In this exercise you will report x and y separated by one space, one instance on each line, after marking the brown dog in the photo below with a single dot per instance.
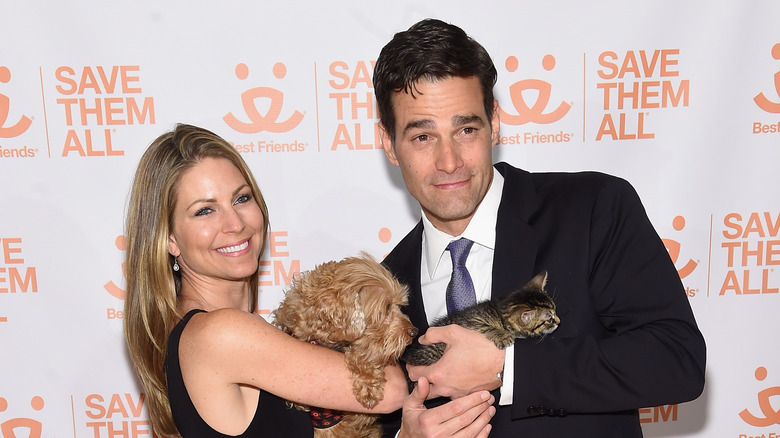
353 306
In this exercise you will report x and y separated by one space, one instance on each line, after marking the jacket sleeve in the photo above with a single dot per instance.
628 338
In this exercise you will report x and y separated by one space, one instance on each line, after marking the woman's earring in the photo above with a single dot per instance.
175 265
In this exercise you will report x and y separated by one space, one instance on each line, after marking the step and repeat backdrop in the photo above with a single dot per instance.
680 98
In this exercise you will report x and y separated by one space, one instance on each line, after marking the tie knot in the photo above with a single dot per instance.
459 250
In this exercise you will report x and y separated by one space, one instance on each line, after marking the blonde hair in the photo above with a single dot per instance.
152 285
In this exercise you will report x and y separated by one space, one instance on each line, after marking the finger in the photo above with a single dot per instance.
463 413
434 335
421 390
416 372
480 427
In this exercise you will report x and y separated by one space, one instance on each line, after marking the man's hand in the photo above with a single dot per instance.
466 417
470 363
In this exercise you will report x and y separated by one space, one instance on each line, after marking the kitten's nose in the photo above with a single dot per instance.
413 332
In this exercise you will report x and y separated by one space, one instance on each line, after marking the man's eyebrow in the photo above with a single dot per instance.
419 124
460 120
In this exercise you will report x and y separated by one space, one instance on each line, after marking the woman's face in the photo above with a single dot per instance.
217 224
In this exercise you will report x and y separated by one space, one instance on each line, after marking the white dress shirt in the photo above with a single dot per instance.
436 268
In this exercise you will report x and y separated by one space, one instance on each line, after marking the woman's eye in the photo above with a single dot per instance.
203 211
243 198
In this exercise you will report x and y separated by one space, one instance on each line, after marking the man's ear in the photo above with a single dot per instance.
387 145
495 124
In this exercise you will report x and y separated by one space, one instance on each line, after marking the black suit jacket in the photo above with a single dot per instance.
627 338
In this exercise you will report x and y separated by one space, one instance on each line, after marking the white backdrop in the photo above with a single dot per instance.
680 98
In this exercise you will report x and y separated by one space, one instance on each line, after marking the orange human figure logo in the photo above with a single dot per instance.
533 113
259 122
111 287
762 101
5 106
771 415
26 427
673 247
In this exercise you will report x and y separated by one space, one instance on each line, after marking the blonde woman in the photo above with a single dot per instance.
196 228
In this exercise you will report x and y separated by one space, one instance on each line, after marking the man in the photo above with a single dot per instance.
627 338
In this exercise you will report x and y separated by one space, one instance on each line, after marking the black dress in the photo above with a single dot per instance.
272 418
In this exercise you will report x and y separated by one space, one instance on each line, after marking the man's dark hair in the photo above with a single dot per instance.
429 50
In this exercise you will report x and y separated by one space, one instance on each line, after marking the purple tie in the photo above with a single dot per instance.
460 290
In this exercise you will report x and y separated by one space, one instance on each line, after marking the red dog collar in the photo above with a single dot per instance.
322 418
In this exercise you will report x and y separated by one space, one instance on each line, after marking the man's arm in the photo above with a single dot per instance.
636 346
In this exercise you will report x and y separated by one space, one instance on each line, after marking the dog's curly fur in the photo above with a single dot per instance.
352 305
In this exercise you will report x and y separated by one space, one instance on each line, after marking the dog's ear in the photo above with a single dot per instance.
357 318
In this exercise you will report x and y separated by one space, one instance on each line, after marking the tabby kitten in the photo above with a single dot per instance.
525 313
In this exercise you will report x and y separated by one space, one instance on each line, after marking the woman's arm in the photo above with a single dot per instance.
232 347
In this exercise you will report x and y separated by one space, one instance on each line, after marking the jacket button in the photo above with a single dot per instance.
531 410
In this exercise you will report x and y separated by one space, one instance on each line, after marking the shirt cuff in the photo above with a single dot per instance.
507 387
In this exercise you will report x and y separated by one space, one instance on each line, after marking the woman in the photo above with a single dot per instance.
196 228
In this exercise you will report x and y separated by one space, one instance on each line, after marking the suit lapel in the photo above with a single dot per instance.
404 262
516 240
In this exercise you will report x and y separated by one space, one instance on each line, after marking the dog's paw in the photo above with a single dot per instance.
368 392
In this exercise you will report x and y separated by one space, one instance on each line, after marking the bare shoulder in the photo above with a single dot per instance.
218 353
221 330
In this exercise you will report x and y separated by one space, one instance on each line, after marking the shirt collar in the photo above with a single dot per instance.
481 228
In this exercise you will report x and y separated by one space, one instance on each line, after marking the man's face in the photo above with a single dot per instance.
443 145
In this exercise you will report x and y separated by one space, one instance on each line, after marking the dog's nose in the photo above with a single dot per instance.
413 332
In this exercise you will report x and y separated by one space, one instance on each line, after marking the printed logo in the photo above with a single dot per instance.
259 122
658 414
278 271
112 288
16 128
764 102
533 113
751 247
95 101
769 415
113 415
384 236
12 126
540 112
14 276
271 121
352 96
633 83
674 248
769 104
21 426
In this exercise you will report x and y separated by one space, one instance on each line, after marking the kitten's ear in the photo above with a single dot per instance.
539 281
528 317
